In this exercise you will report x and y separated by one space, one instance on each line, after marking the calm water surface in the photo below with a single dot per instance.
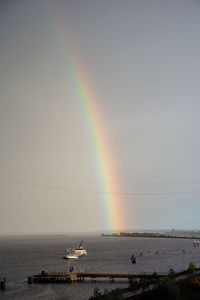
21 257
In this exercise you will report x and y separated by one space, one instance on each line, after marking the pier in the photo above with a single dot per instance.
53 278
112 276
72 277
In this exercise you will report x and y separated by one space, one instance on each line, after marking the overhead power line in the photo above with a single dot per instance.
62 188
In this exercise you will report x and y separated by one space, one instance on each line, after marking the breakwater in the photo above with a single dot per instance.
149 235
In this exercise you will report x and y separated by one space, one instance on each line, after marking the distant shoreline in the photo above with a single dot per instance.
149 235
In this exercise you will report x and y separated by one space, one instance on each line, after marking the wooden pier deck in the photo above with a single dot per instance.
112 276
71 277
53 278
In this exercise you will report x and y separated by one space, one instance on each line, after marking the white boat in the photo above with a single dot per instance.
75 253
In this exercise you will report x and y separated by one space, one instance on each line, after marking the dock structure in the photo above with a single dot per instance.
113 276
72 277
54 278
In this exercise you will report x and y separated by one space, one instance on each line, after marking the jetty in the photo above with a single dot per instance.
151 235
53 278
75 276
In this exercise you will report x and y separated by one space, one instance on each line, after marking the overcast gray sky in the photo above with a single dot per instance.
142 58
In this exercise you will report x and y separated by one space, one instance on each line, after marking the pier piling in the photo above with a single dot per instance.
3 283
30 280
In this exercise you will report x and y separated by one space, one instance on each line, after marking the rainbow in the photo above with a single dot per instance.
111 199
104 157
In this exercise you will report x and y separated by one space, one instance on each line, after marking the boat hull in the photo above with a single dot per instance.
68 256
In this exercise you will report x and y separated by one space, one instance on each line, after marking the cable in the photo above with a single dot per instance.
61 188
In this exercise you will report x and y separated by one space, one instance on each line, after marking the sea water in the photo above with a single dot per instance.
25 256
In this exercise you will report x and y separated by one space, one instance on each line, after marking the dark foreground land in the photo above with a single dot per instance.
188 289
182 286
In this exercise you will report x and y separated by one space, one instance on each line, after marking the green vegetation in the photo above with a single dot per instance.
191 268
